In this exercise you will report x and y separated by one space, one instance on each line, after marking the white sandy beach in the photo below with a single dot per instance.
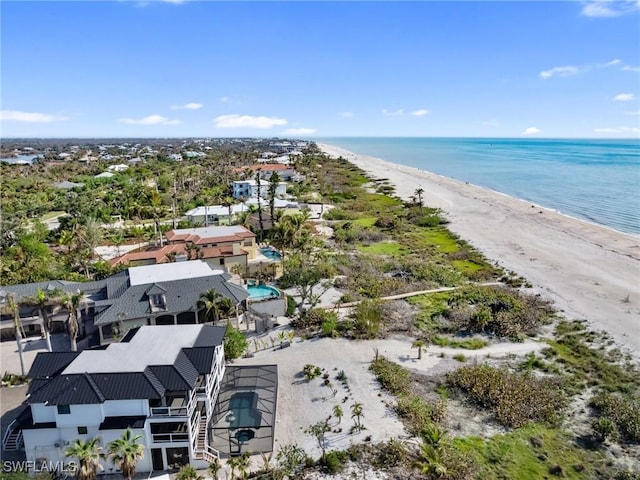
590 272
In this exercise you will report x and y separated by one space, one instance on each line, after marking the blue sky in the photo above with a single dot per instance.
198 68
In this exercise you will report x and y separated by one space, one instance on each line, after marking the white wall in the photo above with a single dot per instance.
80 415
40 442
118 408
43 413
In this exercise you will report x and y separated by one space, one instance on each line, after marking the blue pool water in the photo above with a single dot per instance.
261 292
245 413
271 253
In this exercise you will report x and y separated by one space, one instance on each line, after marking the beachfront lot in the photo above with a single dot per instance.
303 403
590 272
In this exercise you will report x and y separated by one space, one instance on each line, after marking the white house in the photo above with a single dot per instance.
215 214
121 167
249 189
161 381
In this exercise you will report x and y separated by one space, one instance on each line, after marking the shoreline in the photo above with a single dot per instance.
590 271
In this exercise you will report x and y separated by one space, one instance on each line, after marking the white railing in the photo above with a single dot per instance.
192 402
170 437
194 430
169 411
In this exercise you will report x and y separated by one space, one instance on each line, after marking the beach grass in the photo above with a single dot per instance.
365 221
467 344
467 266
384 248
531 453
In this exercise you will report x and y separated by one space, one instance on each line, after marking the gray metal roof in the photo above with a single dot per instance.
49 364
115 299
154 360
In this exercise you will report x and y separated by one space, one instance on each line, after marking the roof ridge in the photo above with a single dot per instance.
94 387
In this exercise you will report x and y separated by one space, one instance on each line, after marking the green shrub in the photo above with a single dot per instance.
334 462
622 410
460 357
392 377
291 306
235 343
329 327
509 395
311 371
367 319
419 414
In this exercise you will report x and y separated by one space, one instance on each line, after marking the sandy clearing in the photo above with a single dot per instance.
302 403
590 272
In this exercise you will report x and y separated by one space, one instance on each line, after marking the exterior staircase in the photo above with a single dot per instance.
13 440
203 451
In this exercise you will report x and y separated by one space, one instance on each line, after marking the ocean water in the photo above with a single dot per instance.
593 180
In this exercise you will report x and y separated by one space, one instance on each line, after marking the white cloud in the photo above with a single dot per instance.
300 131
347 114
392 113
420 113
531 131
624 97
224 99
150 120
565 71
30 117
247 121
612 63
617 130
187 106
609 8
629 68
491 123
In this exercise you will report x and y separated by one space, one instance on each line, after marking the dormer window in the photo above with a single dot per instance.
157 298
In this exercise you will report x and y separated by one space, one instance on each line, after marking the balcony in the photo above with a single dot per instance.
170 437
176 408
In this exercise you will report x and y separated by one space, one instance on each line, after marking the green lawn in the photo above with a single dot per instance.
532 453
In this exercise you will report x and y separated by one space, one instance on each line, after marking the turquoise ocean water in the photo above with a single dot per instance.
593 180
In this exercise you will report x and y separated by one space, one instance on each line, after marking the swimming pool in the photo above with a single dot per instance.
262 292
245 414
271 253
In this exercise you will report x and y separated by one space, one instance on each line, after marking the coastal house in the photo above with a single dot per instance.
216 214
169 384
165 294
285 172
249 189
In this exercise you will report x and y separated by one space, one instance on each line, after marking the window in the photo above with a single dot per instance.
82 430
64 409
156 299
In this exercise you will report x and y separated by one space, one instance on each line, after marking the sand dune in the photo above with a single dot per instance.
590 272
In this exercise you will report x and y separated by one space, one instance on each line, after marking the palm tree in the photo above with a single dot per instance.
227 201
72 304
89 453
418 193
338 413
210 301
214 468
356 414
43 301
243 465
260 218
273 186
433 452
125 452
13 308
188 472
419 344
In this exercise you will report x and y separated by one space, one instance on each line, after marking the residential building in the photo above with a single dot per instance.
215 214
165 294
249 188
162 382
285 172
